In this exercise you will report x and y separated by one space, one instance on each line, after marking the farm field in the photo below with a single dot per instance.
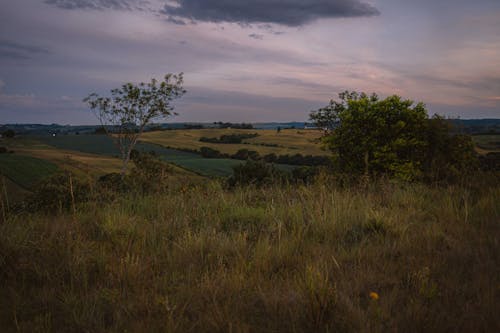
289 141
102 145
487 143
25 170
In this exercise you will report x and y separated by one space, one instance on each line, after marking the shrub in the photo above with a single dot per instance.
208 152
254 173
245 154
150 174
58 193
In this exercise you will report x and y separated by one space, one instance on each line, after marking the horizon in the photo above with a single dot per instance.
248 61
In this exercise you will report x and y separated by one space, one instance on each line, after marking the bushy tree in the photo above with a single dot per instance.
394 137
128 111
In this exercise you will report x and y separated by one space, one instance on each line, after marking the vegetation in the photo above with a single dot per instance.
394 137
198 258
133 107
102 145
26 171
273 248
221 124
230 138
287 142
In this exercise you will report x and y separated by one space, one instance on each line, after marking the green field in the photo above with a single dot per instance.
487 142
101 144
25 170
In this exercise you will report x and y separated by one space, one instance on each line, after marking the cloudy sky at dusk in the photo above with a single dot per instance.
248 60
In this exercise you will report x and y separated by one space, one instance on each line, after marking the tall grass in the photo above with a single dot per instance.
275 259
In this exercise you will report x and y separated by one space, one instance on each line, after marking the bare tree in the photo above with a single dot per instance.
128 111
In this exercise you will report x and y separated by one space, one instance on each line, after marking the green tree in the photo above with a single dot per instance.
394 137
128 111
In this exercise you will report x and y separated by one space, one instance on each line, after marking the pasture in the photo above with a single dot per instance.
289 141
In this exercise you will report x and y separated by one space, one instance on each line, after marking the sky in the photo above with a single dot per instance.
248 60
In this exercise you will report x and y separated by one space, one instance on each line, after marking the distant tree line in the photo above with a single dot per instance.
221 124
230 138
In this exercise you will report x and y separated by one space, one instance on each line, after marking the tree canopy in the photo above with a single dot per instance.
394 137
128 111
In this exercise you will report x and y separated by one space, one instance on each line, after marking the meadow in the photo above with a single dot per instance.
201 258
195 255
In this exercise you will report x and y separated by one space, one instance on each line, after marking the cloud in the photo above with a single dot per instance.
207 105
15 50
99 4
284 12
256 36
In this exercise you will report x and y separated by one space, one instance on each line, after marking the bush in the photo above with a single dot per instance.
245 154
208 152
58 193
150 174
255 173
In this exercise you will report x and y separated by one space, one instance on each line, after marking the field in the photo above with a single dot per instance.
289 141
25 170
102 145
319 258
487 143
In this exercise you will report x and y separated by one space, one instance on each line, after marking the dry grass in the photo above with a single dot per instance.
279 259
290 141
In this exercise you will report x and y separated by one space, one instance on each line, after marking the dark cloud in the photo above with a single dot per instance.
19 51
99 4
284 12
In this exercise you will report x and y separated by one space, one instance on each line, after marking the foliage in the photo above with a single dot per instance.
254 173
59 192
208 152
230 138
132 107
394 137
245 154
221 124
150 174
490 161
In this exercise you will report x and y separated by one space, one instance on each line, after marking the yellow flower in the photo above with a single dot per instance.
374 296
